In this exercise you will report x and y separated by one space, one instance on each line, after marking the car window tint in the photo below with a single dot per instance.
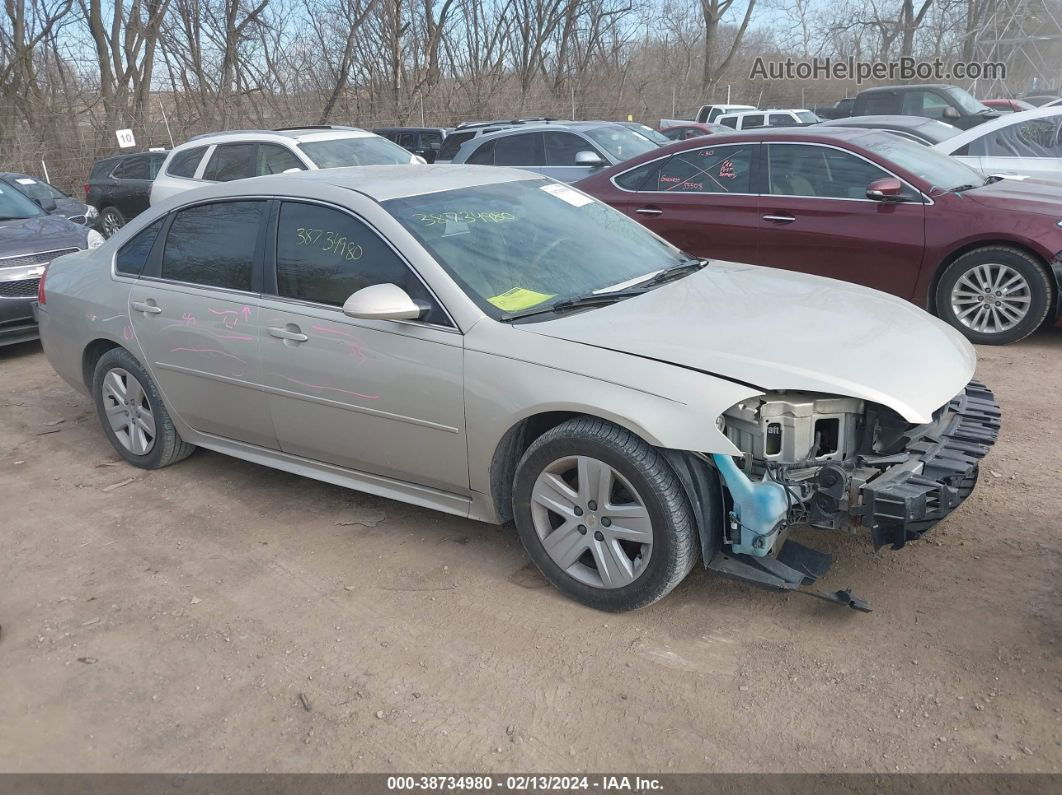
805 170
452 143
753 120
561 148
324 256
729 122
519 150
430 139
185 162
882 103
780 120
715 114
407 140
483 155
155 162
214 244
715 169
275 159
641 178
231 161
133 256
133 168
1031 138
923 103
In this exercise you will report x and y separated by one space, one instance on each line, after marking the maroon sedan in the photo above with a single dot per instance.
864 206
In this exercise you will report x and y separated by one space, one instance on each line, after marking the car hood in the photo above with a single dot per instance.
774 329
42 233
1024 195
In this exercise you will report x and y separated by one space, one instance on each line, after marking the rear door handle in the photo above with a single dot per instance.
779 219
649 211
288 334
147 307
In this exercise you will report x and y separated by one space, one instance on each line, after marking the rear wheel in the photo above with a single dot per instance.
995 295
132 414
111 220
603 516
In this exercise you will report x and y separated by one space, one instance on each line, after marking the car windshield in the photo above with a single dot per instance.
650 133
359 151
531 243
966 101
619 142
943 173
14 205
807 117
36 189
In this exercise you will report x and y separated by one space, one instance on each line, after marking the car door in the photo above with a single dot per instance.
132 185
195 316
377 396
701 200
1030 148
561 149
816 218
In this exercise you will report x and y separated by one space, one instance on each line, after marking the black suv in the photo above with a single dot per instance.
119 187
423 141
949 104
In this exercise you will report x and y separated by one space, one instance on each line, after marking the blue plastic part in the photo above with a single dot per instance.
760 508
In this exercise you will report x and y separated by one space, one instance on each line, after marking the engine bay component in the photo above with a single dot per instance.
760 509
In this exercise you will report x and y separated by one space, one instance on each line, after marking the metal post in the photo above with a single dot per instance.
573 102
44 168
166 122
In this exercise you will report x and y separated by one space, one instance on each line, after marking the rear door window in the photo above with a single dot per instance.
133 256
715 169
452 143
524 149
752 120
185 162
133 168
483 155
562 147
231 161
214 245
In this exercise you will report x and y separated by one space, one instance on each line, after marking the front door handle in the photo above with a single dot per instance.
649 211
779 219
290 334
147 307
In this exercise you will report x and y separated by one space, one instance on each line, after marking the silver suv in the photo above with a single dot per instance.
223 157
567 151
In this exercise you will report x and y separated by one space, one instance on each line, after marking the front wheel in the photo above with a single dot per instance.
111 220
603 516
994 295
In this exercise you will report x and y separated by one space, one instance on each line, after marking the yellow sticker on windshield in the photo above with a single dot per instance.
518 298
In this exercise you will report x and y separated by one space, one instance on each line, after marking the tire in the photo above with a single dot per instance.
641 481
111 220
966 299
119 367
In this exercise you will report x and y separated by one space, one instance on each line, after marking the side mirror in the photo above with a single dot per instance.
886 189
382 302
950 113
588 158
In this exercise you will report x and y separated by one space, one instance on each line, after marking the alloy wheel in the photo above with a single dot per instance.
110 223
592 522
128 411
991 298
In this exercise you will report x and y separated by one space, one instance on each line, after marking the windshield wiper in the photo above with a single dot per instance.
14 217
579 302
684 268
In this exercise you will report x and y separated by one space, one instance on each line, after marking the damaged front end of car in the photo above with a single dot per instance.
841 464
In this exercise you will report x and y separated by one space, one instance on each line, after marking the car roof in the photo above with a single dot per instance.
756 112
1005 120
914 87
298 134
377 182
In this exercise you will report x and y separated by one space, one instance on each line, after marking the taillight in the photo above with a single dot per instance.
41 299
86 187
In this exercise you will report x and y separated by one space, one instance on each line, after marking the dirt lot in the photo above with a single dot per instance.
175 621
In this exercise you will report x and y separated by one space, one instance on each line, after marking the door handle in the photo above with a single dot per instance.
779 219
287 334
147 307
649 211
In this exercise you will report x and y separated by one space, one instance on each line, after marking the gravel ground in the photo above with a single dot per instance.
221 616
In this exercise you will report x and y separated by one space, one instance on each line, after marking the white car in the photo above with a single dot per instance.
751 119
225 156
1016 145
708 114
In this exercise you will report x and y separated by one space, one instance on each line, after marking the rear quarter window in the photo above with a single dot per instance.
133 256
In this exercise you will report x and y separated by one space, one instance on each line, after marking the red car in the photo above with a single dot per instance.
691 129
1007 105
864 206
